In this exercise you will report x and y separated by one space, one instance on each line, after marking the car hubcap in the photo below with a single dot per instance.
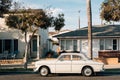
44 71
88 72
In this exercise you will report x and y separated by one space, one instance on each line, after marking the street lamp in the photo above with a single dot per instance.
79 19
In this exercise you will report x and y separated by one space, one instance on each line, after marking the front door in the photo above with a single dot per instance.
34 47
63 65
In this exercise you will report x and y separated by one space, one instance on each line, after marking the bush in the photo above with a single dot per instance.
51 54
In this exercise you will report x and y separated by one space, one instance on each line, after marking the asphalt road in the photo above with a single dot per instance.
35 76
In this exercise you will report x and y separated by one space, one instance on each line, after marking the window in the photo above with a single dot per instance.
108 44
15 45
76 57
102 44
114 44
8 45
65 58
62 44
74 45
69 45
1 46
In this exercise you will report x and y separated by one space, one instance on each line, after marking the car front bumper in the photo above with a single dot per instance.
35 69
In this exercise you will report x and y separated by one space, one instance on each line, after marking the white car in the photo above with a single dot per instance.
68 63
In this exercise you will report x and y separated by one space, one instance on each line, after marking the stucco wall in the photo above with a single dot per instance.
84 47
8 33
43 41
96 47
15 34
119 43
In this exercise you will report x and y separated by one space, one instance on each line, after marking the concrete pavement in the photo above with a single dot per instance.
112 66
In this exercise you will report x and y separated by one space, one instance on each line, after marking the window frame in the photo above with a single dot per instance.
112 45
11 48
63 44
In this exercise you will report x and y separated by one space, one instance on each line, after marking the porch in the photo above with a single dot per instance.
6 55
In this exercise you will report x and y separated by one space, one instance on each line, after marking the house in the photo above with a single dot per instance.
53 33
12 41
53 42
105 38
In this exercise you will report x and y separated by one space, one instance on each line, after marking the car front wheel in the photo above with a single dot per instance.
87 71
44 71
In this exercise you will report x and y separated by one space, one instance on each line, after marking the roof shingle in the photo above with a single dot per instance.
97 31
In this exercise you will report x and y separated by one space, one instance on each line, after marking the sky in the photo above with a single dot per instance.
70 9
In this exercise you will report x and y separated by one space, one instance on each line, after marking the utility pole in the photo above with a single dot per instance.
79 19
89 15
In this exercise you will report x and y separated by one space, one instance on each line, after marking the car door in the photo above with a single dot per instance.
77 63
63 64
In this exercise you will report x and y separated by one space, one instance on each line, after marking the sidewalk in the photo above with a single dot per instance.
114 66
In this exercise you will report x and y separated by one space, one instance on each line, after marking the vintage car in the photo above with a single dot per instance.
68 63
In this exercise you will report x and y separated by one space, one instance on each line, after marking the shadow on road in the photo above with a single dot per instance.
61 75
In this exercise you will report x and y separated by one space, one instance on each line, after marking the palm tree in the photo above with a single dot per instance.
89 15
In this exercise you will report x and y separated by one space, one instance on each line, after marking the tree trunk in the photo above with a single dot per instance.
89 15
27 47
26 51
26 56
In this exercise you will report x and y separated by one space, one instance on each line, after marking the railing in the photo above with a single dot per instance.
109 54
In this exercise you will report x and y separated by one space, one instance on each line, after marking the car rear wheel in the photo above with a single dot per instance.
87 71
44 71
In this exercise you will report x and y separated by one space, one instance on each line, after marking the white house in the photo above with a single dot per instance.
12 41
105 37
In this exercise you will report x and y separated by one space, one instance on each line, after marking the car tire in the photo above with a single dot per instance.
44 71
87 71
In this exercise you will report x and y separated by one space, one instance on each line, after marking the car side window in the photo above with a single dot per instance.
76 57
65 58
